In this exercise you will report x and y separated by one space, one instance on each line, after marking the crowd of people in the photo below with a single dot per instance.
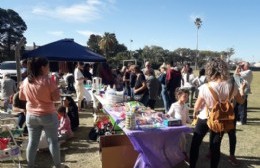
34 100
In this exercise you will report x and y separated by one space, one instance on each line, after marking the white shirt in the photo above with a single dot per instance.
180 111
199 80
188 83
77 75
247 75
222 89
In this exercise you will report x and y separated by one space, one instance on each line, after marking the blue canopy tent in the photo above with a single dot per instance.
65 50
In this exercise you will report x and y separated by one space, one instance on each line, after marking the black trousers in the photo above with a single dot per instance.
215 141
232 133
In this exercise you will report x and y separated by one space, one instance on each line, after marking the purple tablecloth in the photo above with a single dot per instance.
158 147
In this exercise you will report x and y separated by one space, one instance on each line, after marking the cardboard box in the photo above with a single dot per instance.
117 152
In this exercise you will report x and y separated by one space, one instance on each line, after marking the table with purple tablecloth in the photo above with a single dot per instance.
157 147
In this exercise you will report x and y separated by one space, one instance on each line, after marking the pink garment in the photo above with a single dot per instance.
64 127
39 95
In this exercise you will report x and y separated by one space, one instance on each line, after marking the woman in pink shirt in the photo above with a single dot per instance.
40 91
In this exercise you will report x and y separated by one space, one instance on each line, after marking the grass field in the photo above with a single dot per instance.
248 139
82 153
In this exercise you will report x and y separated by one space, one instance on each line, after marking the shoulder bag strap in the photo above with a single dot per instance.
215 97
231 91
214 94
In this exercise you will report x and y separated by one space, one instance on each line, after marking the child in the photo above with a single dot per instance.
64 130
179 110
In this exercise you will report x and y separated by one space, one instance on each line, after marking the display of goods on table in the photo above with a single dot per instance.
134 115
113 96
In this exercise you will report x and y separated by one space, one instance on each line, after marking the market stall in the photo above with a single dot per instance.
150 134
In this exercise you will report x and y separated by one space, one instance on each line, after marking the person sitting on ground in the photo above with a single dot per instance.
19 106
72 112
64 130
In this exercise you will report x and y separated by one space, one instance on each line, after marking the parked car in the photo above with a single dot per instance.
8 67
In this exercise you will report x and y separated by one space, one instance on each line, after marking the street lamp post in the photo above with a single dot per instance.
198 23
131 41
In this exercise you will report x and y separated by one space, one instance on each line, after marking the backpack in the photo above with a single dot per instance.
221 116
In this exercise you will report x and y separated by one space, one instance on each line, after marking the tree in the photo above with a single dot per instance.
12 28
230 52
198 23
107 42
93 43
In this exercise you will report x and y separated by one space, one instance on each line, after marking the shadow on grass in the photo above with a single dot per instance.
253 109
85 114
248 162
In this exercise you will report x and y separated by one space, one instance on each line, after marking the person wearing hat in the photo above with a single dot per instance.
7 88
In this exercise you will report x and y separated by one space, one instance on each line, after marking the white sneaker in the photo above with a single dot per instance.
62 165
239 123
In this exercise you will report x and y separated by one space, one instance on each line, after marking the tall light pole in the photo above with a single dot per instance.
198 23
131 55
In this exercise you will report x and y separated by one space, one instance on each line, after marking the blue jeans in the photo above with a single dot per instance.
35 124
165 98
242 112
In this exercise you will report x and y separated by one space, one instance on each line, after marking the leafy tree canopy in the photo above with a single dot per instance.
12 28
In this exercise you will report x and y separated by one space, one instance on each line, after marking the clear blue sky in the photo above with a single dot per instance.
165 23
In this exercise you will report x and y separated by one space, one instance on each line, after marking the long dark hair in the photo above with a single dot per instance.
71 101
34 67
